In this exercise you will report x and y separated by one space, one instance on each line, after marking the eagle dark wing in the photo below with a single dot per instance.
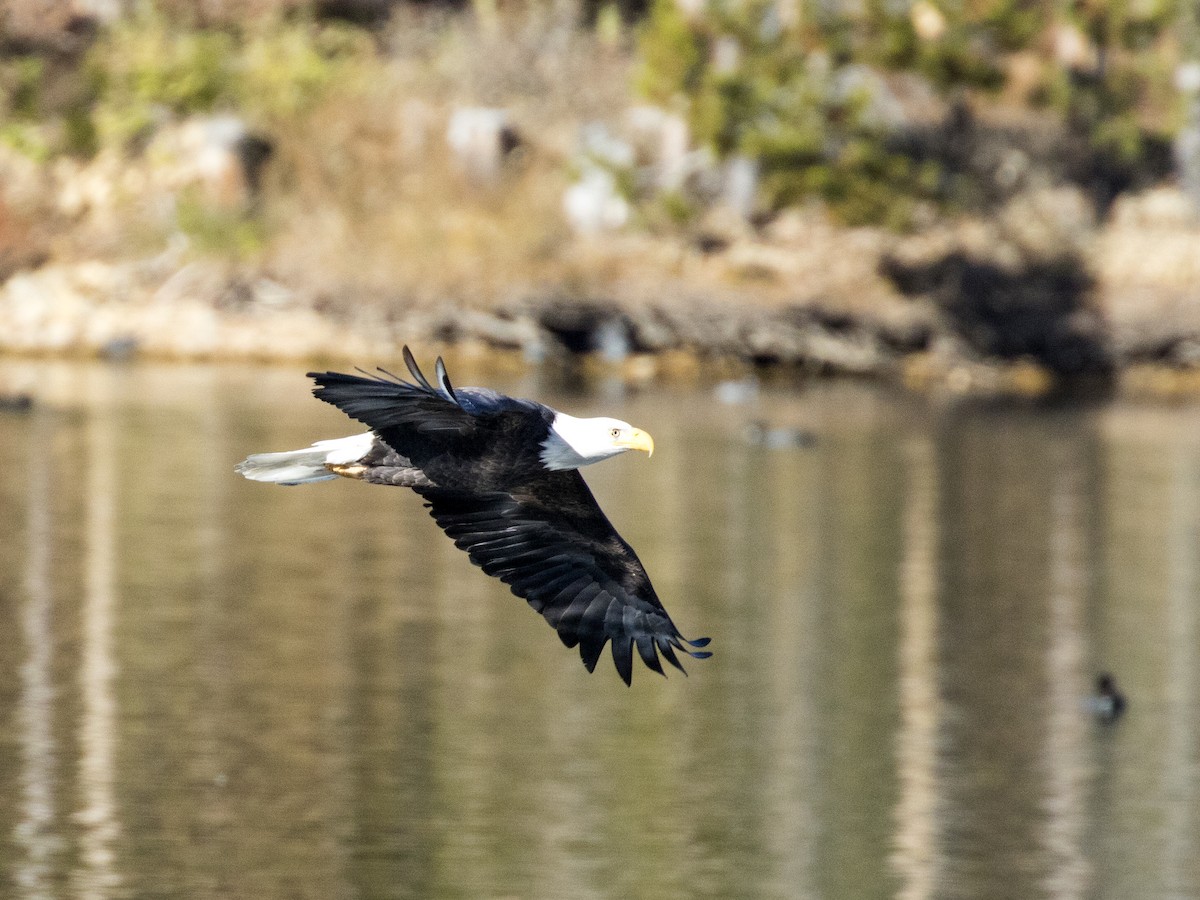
386 402
550 543
540 532
472 438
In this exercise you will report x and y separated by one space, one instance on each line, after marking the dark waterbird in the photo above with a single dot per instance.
500 476
759 433
16 403
1108 703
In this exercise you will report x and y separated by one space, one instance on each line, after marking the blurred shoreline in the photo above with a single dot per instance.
307 190
808 295
1142 318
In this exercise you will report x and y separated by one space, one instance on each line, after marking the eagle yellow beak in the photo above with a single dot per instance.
636 439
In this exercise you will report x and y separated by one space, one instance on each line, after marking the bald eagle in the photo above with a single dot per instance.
500 476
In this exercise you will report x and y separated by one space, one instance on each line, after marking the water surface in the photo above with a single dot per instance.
212 688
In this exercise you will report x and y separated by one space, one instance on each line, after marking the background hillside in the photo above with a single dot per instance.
850 186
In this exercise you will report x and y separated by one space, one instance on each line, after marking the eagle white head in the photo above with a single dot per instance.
574 442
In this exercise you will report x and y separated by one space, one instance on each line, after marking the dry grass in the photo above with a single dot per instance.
363 208
367 208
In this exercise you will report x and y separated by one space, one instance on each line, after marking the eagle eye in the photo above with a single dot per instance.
616 432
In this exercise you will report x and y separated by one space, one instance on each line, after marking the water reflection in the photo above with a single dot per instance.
218 689
1067 763
96 874
918 842
1181 761
36 841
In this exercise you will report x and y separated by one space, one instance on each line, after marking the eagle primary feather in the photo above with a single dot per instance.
503 483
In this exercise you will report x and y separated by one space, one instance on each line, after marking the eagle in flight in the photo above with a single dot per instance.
501 477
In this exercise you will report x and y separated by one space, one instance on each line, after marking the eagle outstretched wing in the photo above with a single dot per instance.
477 455
385 401
450 434
549 541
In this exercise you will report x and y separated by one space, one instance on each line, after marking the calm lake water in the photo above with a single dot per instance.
211 688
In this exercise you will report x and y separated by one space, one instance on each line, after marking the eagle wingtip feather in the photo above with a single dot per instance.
622 654
443 380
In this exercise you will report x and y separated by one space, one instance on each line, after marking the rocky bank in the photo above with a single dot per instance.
1041 295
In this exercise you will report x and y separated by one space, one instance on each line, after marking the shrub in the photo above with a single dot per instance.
785 101
803 98
144 67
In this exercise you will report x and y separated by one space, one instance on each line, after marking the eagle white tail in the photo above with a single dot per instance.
307 465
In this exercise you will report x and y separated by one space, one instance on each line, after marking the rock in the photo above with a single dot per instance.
1017 287
674 160
651 330
64 28
103 11
600 146
195 279
1187 78
750 259
1074 50
1147 263
21 246
23 182
512 332
854 352
726 55
16 403
1187 140
883 107
415 124
89 190
585 327
1159 209
661 141
219 155
644 126
928 21
692 9
594 205
482 140
740 193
